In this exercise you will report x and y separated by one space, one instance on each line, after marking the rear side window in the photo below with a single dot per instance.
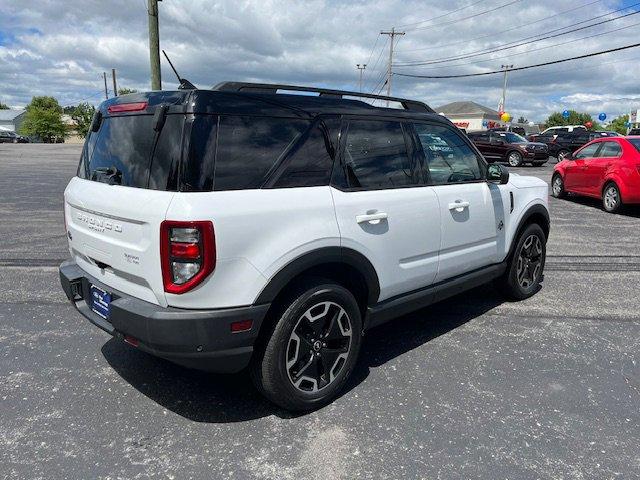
250 147
376 155
610 149
309 165
635 142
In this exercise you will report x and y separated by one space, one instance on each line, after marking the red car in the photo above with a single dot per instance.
606 168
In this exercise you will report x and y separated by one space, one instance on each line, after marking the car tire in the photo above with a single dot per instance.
526 266
514 159
562 154
611 199
557 186
301 365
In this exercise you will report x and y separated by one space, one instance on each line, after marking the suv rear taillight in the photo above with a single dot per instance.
188 254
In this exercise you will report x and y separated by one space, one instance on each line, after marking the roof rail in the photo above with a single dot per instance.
324 92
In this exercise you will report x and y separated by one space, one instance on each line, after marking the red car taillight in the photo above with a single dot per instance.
188 254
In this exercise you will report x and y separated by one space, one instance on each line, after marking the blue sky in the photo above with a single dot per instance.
61 48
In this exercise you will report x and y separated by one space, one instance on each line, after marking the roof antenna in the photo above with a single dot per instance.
184 83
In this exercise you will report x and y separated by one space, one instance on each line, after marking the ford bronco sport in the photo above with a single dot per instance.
254 226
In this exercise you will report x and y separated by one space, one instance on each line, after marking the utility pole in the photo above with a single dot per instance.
115 88
501 107
154 45
106 92
392 35
361 70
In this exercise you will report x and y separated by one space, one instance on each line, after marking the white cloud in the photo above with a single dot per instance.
61 48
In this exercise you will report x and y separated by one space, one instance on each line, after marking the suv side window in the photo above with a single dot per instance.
448 157
610 149
310 164
376 155
249 147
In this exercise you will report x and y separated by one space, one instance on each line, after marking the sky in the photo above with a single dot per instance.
61 48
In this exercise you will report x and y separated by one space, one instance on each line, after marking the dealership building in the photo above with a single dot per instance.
471 115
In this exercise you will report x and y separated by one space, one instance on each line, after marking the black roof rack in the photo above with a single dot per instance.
324 92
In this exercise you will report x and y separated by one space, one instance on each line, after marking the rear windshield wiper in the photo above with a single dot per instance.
110 175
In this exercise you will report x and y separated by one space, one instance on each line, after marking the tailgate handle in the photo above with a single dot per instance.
99 264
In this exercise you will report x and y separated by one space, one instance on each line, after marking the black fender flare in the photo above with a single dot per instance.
318 257
537 210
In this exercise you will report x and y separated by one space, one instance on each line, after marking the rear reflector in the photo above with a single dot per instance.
127 107
185 250
241 326
131 340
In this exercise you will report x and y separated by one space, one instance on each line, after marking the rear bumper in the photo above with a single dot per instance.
194 338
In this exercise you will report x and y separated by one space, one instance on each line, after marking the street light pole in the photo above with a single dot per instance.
361 70
392 35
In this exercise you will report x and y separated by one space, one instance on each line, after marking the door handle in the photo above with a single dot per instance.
458 205
373 218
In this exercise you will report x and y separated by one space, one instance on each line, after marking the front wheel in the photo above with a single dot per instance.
524 271
514 159
313 348
611 200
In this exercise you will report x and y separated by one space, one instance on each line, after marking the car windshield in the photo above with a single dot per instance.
635 142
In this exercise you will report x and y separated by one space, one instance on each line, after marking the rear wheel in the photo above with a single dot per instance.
562 154
557 186
312 349
524 272
611 200
514 159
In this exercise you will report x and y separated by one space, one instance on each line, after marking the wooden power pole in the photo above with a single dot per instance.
154 45
115 88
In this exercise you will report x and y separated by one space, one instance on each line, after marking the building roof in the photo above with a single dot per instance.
466 108
10 115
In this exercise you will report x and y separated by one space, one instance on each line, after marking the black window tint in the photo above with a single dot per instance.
249 147
447 156
610 149
123 150
310 164
376 155
163 173
197 175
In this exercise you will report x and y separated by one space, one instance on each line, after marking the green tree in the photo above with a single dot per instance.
82 115
618 124
575 118
522 120
44 119
124 91
4 106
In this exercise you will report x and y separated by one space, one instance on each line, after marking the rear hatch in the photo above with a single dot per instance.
126 180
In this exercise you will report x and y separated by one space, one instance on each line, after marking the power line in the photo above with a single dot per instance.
508 45
511 55
443 15
367 79
520 68
468 17
517 27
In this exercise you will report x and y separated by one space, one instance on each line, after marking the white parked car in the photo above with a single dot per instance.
242 227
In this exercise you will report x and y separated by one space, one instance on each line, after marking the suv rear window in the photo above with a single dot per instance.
127 151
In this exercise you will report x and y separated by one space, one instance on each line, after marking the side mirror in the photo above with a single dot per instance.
569 156
497 173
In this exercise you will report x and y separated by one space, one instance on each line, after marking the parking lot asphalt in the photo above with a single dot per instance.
474 387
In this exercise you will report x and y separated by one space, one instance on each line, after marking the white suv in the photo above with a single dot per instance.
245 227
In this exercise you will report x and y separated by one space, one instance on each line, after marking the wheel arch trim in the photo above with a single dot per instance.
535 210
316 258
